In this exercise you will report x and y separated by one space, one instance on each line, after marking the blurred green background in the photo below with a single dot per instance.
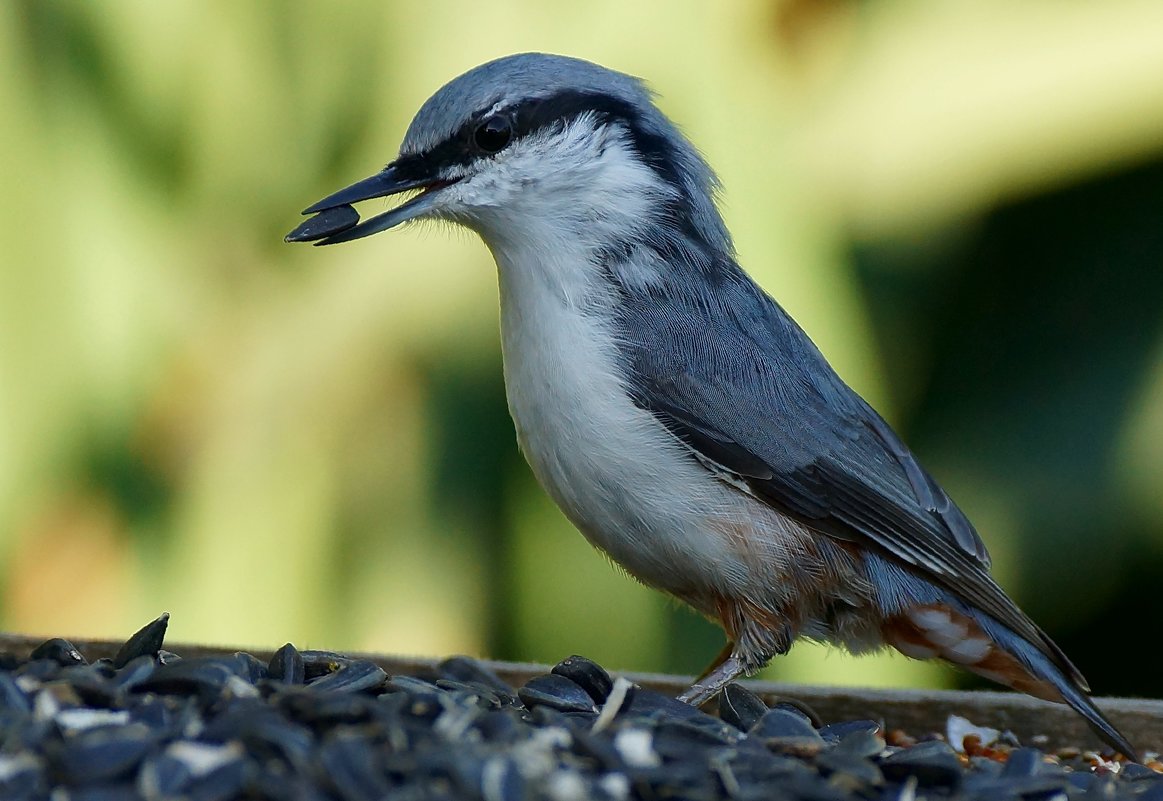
962 203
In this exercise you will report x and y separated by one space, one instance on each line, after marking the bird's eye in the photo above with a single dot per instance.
493 134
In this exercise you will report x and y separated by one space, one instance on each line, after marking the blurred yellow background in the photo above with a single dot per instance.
279 443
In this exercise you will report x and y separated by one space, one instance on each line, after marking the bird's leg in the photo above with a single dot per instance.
739 656
719 659
728 668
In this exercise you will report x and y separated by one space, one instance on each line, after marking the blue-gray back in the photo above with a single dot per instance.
726 369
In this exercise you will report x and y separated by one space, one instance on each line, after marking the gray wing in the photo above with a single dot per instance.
731 375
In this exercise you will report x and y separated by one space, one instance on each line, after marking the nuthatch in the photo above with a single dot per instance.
674 411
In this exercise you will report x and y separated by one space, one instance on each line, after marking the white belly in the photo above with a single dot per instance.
631 488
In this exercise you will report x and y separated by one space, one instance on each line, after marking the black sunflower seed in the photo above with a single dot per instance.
324 224
320 726
146 641
588 675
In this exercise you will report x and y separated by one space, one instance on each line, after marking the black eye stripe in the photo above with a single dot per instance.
534 116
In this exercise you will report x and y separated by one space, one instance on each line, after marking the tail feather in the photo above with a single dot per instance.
977 642
1084 705
1068 684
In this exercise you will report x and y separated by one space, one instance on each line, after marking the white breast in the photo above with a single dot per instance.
621 478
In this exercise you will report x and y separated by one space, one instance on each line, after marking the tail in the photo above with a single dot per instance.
977 642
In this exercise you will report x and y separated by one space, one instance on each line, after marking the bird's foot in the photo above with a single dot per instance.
711 684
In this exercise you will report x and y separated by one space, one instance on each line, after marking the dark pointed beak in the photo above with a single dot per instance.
336 221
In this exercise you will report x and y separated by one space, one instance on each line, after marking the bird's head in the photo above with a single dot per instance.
540 146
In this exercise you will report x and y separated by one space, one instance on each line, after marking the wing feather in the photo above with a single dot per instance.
731 375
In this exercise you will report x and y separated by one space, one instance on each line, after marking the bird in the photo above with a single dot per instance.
685 424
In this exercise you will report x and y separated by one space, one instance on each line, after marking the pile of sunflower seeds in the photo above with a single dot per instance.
313 725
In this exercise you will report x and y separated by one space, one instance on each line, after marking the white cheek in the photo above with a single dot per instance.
490 187
579 181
